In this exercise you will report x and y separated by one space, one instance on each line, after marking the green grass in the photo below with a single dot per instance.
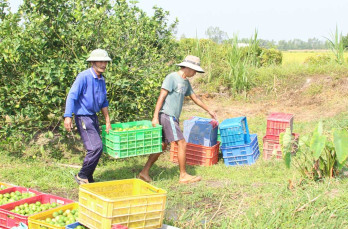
256 196
273 78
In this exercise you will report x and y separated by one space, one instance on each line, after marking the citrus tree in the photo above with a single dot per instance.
46 43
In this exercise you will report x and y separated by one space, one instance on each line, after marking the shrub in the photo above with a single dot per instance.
271 57
320 59
317 156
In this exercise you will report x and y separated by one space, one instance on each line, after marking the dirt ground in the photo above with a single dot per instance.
310 98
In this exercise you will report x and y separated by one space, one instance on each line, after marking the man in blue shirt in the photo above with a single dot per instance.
86 98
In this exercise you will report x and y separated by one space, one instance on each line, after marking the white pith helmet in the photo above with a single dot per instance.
99 55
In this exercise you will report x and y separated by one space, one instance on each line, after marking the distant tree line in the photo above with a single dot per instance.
295 44
217 35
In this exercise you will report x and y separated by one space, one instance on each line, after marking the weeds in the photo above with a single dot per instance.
337 47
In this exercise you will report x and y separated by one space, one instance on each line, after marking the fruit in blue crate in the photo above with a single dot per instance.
80 227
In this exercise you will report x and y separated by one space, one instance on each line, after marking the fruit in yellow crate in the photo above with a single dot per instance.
55 214
62 218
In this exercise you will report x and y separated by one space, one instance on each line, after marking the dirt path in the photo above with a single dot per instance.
312 98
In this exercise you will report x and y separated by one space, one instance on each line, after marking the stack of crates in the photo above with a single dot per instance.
132 139
132 203
9 219
276 124
237 145
202 147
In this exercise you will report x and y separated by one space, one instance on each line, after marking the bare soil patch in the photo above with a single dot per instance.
311 98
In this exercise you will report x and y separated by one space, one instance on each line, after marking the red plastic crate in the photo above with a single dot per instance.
10 219
196 154
270 145
277 123
20 189
118 226
6 185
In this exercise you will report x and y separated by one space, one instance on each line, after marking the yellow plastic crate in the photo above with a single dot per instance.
132 203
34 220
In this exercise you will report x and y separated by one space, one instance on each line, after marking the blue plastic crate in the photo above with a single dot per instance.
243 154
201 131
73 225
234 132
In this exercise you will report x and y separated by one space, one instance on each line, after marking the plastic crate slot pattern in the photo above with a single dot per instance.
135 204
197 154
234 132
243 154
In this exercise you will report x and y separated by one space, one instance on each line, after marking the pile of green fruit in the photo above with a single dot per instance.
14 196
29 209
120 129
80 227
62 218
2 187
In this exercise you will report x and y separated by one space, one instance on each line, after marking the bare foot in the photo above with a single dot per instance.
145 178
189 179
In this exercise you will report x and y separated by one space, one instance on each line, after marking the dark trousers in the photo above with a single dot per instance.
88 127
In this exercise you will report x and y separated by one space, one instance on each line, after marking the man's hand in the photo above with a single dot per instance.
155 121
213 115
108 127
68 123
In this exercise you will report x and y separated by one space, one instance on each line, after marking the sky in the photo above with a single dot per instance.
273 19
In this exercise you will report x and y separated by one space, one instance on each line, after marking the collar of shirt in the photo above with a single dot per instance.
95 74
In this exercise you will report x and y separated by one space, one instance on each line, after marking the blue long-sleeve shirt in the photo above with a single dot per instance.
87 95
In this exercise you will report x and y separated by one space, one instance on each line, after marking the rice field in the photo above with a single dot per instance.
300 56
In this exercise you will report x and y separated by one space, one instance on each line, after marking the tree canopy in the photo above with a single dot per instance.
46 43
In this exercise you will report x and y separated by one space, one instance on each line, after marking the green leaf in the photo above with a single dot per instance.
341 144
317 144
302 140
287 159
319 128
286 138
322 164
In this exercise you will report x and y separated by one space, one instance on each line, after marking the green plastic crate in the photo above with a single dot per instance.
105 149
121 144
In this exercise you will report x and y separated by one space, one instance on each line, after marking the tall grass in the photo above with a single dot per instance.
197 48
252 51
239 64
337 47
237 77
209 62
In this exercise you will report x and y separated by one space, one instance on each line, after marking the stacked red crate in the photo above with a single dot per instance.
196 154
276 124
